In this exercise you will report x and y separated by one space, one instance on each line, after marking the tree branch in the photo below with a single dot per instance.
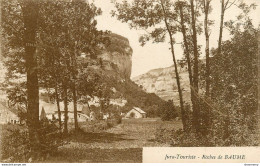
233 3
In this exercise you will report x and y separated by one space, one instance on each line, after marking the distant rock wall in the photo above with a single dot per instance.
118 55
162 82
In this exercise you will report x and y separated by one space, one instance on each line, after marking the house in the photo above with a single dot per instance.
43 114
81 117
50 111
8 115
136 113
50 108
94 114
85 110
91 114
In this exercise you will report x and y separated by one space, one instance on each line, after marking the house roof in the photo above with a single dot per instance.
52 107
69 111
43 114
11 112
139 110
48 107
4 107
71 106
85 110
86 116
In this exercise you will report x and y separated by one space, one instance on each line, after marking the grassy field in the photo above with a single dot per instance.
122 143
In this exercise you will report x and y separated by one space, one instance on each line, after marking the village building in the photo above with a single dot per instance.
43 114
91 114
81 117
136 113
94 114
8 115
50 111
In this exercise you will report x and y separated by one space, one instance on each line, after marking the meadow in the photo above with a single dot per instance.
97 142
121 143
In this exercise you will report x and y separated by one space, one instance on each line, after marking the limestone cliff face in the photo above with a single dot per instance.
162 82
117 55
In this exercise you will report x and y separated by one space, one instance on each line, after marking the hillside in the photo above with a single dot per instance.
162 82
117 55
113 67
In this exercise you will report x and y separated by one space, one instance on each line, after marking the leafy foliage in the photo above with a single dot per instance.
169 111
16 146
233 79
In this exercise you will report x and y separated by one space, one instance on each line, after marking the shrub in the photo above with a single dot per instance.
238 136
118 118
16 146
164 135
96 126
14 143
169 111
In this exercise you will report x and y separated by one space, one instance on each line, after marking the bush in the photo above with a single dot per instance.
164 135
96 126
169 111
118 118
179 138
14 143
16 146
238 136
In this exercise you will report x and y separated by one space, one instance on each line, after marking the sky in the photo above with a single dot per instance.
158 55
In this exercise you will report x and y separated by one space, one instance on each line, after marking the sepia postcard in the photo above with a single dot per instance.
130 81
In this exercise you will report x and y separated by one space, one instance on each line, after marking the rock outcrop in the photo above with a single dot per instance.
162 82
117 55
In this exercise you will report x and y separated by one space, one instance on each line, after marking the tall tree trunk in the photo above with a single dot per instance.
196 110
187 53
206 30
206 118
195 50
58 103
258 69
75 106
65 100
74 92
88 106
221 25
187 50
30 16
175 69
56 88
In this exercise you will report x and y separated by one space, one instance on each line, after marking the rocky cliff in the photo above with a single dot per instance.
117 55
162 82
113 65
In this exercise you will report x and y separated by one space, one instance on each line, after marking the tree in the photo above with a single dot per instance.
20 24
50 73
60 39
150 16
196 109
169 112
184 18
104 93
233 87
206 10
183 10
237 100
71 33
30 12
225 4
